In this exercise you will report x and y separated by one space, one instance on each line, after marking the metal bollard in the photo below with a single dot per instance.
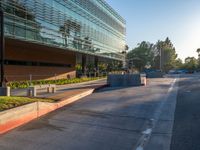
53 89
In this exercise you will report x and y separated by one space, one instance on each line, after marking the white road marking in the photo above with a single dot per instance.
139 148
147 131
172 86
152 119
188 91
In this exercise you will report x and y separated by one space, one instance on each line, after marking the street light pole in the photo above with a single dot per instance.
160 59
2 47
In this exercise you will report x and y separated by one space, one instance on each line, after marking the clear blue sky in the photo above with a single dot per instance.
151 20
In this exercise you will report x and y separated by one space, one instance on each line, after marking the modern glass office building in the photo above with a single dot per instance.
56 34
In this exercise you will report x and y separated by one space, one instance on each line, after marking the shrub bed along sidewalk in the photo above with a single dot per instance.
26 84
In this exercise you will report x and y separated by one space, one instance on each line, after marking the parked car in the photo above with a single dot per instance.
190 71
172 71
179 71
182 71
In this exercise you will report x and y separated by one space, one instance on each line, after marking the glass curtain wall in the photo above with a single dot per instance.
86 26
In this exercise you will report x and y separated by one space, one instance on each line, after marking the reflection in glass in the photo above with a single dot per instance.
88 26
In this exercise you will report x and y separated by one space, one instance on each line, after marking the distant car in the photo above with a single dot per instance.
182 71
178 71
151 70
172 72
190 71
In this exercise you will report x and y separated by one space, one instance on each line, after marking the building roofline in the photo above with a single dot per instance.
112 10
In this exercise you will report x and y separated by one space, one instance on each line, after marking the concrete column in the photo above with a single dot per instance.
32 91
96 62
83 64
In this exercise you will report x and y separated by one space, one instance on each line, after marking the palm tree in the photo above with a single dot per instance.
65 30
68 27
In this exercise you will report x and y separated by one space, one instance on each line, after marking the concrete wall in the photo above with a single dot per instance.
154 75
118 80
12 118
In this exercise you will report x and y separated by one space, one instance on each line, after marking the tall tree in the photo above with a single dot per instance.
166 55
198 51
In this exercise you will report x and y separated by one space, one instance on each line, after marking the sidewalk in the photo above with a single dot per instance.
66 94
68 89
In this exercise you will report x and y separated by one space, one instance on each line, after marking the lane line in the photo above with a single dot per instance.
146 134
139 148
147 131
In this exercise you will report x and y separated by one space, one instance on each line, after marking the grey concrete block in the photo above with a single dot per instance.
32 91
118 80
154 75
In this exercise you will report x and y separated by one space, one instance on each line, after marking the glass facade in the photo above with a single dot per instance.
86 26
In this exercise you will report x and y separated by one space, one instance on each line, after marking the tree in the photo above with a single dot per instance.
198 51
178 63
141 56
191 63
167 53
161 55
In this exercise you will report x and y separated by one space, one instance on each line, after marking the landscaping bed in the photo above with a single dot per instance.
11 102
26 84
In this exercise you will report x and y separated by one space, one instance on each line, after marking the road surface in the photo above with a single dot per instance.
136 118
186 133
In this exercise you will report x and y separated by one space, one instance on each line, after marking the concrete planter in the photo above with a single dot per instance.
15 117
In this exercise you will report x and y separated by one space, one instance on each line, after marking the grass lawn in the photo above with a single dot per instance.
11 102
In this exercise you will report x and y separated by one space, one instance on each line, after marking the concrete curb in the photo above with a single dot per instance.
18 116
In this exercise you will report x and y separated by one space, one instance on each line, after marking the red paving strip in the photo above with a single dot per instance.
18 122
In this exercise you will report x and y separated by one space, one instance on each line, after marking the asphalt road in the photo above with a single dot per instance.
133 118
186 132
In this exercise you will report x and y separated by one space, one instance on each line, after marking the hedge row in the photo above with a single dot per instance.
26 84
11 102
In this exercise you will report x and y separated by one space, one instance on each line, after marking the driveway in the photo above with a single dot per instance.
134 118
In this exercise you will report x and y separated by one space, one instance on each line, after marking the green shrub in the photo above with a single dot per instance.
26 84
11 102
